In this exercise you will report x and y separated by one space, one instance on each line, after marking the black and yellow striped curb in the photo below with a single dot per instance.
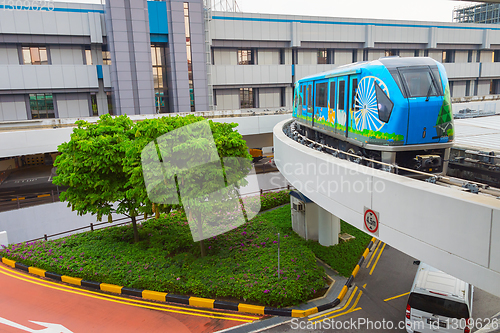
25 197
191 300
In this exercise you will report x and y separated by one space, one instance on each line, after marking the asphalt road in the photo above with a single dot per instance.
33 304
377 300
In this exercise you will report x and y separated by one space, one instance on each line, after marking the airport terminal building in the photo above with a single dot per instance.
139 57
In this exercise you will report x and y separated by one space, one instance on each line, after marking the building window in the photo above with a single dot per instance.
391 53
106 55
417 53
495 57
448 56
322 56
42 106
189 56
93 102
88 56
295 56
426 53
365 55
467 88
282 56
283 97
451 88
246 57
109 96
478 56
469 56
476 86
248 98
35 55
354 55
158 58
215 97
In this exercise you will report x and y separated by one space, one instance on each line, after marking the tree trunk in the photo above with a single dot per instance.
134 226
202 247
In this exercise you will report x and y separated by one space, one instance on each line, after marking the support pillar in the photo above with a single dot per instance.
328 228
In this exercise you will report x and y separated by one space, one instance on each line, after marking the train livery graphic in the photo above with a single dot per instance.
394 110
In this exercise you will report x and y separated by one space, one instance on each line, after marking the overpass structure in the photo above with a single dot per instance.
453 230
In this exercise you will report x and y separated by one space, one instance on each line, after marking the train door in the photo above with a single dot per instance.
332 104
310 105
342 105
351 120
320 115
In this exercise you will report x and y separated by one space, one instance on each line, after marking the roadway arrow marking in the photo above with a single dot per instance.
49 328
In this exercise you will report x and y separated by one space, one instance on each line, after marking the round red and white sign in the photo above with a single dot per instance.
371 221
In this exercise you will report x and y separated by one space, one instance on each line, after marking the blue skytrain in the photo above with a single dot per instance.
395 110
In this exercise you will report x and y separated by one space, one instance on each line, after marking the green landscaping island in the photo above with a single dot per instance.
239 265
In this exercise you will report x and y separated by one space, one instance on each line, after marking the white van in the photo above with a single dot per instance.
438 302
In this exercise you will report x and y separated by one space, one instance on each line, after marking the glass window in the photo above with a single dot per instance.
282 97
397 78
109 96
391 53
448 56
246 57
322 95
42 106
438 306
300 95
341 95
469 56
247 99
309 96
35 55
353 92
106 55
158 53
419 82
384 104
282 56
88 57
322 56
189 55
93 101
332 95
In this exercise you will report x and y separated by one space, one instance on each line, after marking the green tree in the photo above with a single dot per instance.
91 165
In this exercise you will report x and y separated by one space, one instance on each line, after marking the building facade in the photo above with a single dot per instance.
145 57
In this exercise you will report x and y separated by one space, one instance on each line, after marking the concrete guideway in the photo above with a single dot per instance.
454 231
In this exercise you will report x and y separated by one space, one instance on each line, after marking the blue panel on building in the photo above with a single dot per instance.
158 23
155 38
99 72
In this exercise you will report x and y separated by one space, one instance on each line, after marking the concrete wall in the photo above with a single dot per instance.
269 97
228 99
12 107
73 105
224 56
268 57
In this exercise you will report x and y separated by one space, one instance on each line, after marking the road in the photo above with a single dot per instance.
27 302
377 300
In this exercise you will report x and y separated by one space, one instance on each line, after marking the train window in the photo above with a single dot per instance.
384 104
437 79
341 95
353 92
322 95
301 91
296 98
419 82
309 95
332 95
397 78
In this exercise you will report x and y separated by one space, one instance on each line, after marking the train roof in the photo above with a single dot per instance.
388 62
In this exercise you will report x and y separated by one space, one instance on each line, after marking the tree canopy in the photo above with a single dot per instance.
102 167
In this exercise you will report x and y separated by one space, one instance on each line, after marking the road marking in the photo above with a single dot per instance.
364 286
49 328
352 309
376 261
121 300
341 309
391 298
374 254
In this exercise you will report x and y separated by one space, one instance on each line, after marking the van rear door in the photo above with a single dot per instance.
430 314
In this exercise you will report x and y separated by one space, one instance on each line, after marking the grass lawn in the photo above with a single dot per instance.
240 264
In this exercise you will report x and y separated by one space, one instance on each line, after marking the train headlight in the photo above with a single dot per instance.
384 104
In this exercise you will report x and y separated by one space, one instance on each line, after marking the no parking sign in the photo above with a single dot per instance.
371 221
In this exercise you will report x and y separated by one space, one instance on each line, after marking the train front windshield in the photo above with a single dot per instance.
418 81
